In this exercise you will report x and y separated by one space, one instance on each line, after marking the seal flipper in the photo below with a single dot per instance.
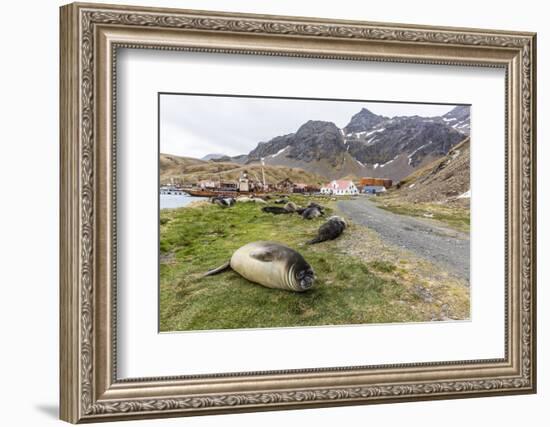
315 240
220 269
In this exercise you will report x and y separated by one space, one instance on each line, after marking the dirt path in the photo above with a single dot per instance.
429 239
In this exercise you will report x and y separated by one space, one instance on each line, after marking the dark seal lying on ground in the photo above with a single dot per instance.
311 205
276 210
316 205
272 265
289 208
312 212
224 202
330 230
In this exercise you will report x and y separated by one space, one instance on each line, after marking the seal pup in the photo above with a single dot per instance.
275 210
258 200
224 202
316 205
219 201
246 199
270 264
280 201
291 207
330 230
243 199
310 213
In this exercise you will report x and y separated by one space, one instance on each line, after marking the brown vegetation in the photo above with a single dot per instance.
189 170
441 181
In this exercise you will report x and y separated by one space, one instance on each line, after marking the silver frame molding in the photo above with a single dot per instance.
90 37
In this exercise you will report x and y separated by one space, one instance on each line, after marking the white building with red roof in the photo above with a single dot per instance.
340 187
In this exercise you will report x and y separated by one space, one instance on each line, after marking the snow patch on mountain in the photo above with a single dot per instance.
415 151
390 161
279 152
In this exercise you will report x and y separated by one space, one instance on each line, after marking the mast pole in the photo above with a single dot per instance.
263 174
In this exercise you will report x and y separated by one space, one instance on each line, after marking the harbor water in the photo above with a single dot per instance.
172 201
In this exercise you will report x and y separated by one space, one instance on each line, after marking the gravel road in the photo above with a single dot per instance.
427 238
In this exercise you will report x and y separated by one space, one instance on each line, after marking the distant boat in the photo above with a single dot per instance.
172 191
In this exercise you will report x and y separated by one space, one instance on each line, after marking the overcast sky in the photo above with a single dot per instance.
194 126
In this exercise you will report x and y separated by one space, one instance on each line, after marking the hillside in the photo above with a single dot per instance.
444 180
190 170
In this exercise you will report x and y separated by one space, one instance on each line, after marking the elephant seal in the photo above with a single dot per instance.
257 200
272 265
243 199
276 210
316 205
281 201
291 207
330 230
224 202
246 199
310 213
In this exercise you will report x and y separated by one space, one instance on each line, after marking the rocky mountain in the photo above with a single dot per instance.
363 121
459 118
369 145
190 170
416 137
313 141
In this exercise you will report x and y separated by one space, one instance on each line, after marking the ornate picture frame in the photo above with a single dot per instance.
90 37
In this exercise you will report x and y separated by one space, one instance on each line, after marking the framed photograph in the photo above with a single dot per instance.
267 212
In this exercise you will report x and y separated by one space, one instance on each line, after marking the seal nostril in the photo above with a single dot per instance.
307 282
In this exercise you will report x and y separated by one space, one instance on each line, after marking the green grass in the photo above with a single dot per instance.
383 266
455 217
194 240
